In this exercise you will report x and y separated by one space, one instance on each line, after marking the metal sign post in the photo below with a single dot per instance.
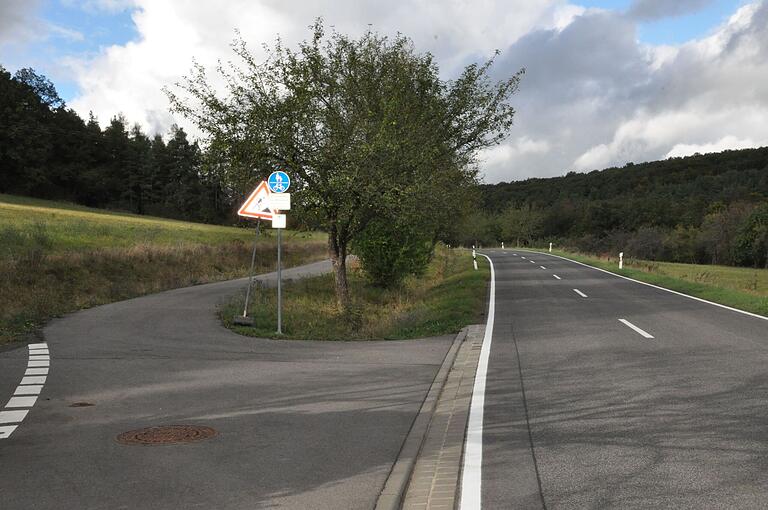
245 320
278 183
279 284
253 263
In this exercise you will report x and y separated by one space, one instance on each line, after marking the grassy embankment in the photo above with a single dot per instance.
739 287
448 297
57 258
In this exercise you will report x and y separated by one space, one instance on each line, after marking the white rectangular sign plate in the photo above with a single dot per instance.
280 201
278 220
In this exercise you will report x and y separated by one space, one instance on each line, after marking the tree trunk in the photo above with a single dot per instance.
338 253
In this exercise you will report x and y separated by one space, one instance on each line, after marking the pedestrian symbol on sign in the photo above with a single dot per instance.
279 182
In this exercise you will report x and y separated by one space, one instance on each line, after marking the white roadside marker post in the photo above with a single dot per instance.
474 258
550 247
621 260
502 245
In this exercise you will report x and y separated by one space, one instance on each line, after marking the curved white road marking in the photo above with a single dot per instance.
471 477
26 393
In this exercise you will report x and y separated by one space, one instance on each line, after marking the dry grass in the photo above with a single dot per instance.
739 287
67 262
741 279
448 297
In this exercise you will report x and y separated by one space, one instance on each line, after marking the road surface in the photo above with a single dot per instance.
299 424
583 409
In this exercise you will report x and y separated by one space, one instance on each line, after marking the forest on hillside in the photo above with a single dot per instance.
709 208
48 151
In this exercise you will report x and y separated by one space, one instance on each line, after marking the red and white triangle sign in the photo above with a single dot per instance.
257 205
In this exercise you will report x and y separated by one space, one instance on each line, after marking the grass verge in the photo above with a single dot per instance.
448 297
58 258
737 287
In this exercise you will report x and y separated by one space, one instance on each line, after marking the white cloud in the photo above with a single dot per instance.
129 78
17 21
593 95
710 94
64 32
92 6
726 142
505 154
649 10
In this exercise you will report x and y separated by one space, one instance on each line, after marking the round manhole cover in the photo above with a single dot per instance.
170 434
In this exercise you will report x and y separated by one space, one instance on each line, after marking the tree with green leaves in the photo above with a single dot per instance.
358 123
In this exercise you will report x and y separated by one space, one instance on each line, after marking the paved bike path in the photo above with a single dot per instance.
300 424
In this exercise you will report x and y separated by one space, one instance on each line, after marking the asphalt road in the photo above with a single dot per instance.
314 425
583 411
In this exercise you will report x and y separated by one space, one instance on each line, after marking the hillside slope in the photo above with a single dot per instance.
709 208
56 258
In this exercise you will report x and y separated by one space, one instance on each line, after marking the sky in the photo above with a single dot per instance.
607 81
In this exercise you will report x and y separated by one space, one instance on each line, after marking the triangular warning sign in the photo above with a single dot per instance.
257 205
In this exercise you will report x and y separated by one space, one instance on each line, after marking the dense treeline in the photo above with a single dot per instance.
709 208
48 151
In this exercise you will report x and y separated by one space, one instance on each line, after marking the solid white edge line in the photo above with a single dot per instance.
580 293
472 466
635 328
726 307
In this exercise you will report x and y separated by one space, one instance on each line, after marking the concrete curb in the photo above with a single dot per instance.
391 497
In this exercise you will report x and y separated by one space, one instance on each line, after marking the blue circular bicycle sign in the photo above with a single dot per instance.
279 182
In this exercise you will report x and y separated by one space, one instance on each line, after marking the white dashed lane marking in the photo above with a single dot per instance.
557 277
635 328
580 293
28 389
25 395
542 267
33 379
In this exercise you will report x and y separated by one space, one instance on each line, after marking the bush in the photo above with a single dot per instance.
390 251
751 243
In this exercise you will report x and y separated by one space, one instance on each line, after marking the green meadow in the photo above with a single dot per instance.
449 296
57 257
739 287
